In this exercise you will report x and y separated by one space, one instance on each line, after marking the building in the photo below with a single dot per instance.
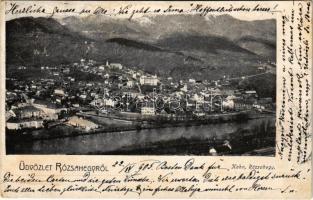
114 65
103 102
145 110
240 104
198 98
82 123
48 107
130 84
29 117
134 75
101 67
59 92
22 67
250 93
198 113
66 70
192 80
83 96
131 94
149 80
106 76
28 112
75 105
22 124
228 104
109 102
120 85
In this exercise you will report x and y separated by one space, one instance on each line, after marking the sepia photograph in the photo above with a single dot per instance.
174 84
156 99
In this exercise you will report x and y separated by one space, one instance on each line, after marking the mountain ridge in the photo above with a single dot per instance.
43 41
164 25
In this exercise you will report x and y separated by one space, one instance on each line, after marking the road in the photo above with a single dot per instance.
270 70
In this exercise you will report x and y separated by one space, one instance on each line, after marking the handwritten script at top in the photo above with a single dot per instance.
130 10
295 90
148 177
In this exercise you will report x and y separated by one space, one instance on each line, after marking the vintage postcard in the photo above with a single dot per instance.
156 99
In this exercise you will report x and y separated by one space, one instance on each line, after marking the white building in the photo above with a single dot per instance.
199 113
103 102
22 67
114 65
59 92
101 67
106 75
130 84
131 94
250 92
198 98
228 104
75 105
134 75
21 124
192 80
149 80
82 123
145 110
83 96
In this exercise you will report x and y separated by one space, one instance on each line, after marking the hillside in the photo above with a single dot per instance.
208 44
153 28
45 41
253 36
40 41
135 44
264 48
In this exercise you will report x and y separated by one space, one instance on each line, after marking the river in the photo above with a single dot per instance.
108 142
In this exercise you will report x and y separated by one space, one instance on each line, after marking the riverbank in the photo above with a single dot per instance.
245 138
258 140
63 131
239 146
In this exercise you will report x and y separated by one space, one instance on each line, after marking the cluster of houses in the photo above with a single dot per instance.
122 89
36 113
32 114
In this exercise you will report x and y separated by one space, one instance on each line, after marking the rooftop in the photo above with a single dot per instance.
47 104
26 109
81 121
